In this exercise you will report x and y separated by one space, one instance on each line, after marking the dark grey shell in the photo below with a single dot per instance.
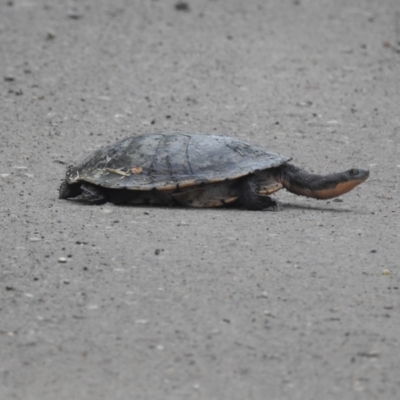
166 161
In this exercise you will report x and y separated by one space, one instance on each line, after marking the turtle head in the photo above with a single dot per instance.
303 183
337 184
356 174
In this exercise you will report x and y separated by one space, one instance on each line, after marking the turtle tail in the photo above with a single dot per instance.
303 183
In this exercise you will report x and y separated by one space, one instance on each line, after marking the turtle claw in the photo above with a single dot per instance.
274 206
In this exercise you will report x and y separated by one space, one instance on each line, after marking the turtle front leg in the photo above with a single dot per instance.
251 198
91 194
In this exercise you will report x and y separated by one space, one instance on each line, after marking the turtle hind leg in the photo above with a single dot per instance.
251 198
67 190
91 194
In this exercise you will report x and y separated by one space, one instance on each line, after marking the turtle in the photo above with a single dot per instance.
196 170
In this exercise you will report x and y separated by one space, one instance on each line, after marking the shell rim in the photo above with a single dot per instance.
168 185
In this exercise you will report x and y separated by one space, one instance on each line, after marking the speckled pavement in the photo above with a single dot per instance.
114 302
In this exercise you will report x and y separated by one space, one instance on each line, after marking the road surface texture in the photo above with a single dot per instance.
114 302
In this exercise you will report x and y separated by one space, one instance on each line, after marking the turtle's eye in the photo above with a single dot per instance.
354 171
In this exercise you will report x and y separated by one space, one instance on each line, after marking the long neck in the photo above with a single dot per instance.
301 182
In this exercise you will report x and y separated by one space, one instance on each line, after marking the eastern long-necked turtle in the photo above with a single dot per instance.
195 170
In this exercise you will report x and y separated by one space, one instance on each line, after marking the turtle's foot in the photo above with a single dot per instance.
251 198
66 190
273 206
91 194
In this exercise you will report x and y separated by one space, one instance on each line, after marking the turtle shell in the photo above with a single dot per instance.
167 161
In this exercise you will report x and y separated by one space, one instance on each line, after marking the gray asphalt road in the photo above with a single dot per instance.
158 303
